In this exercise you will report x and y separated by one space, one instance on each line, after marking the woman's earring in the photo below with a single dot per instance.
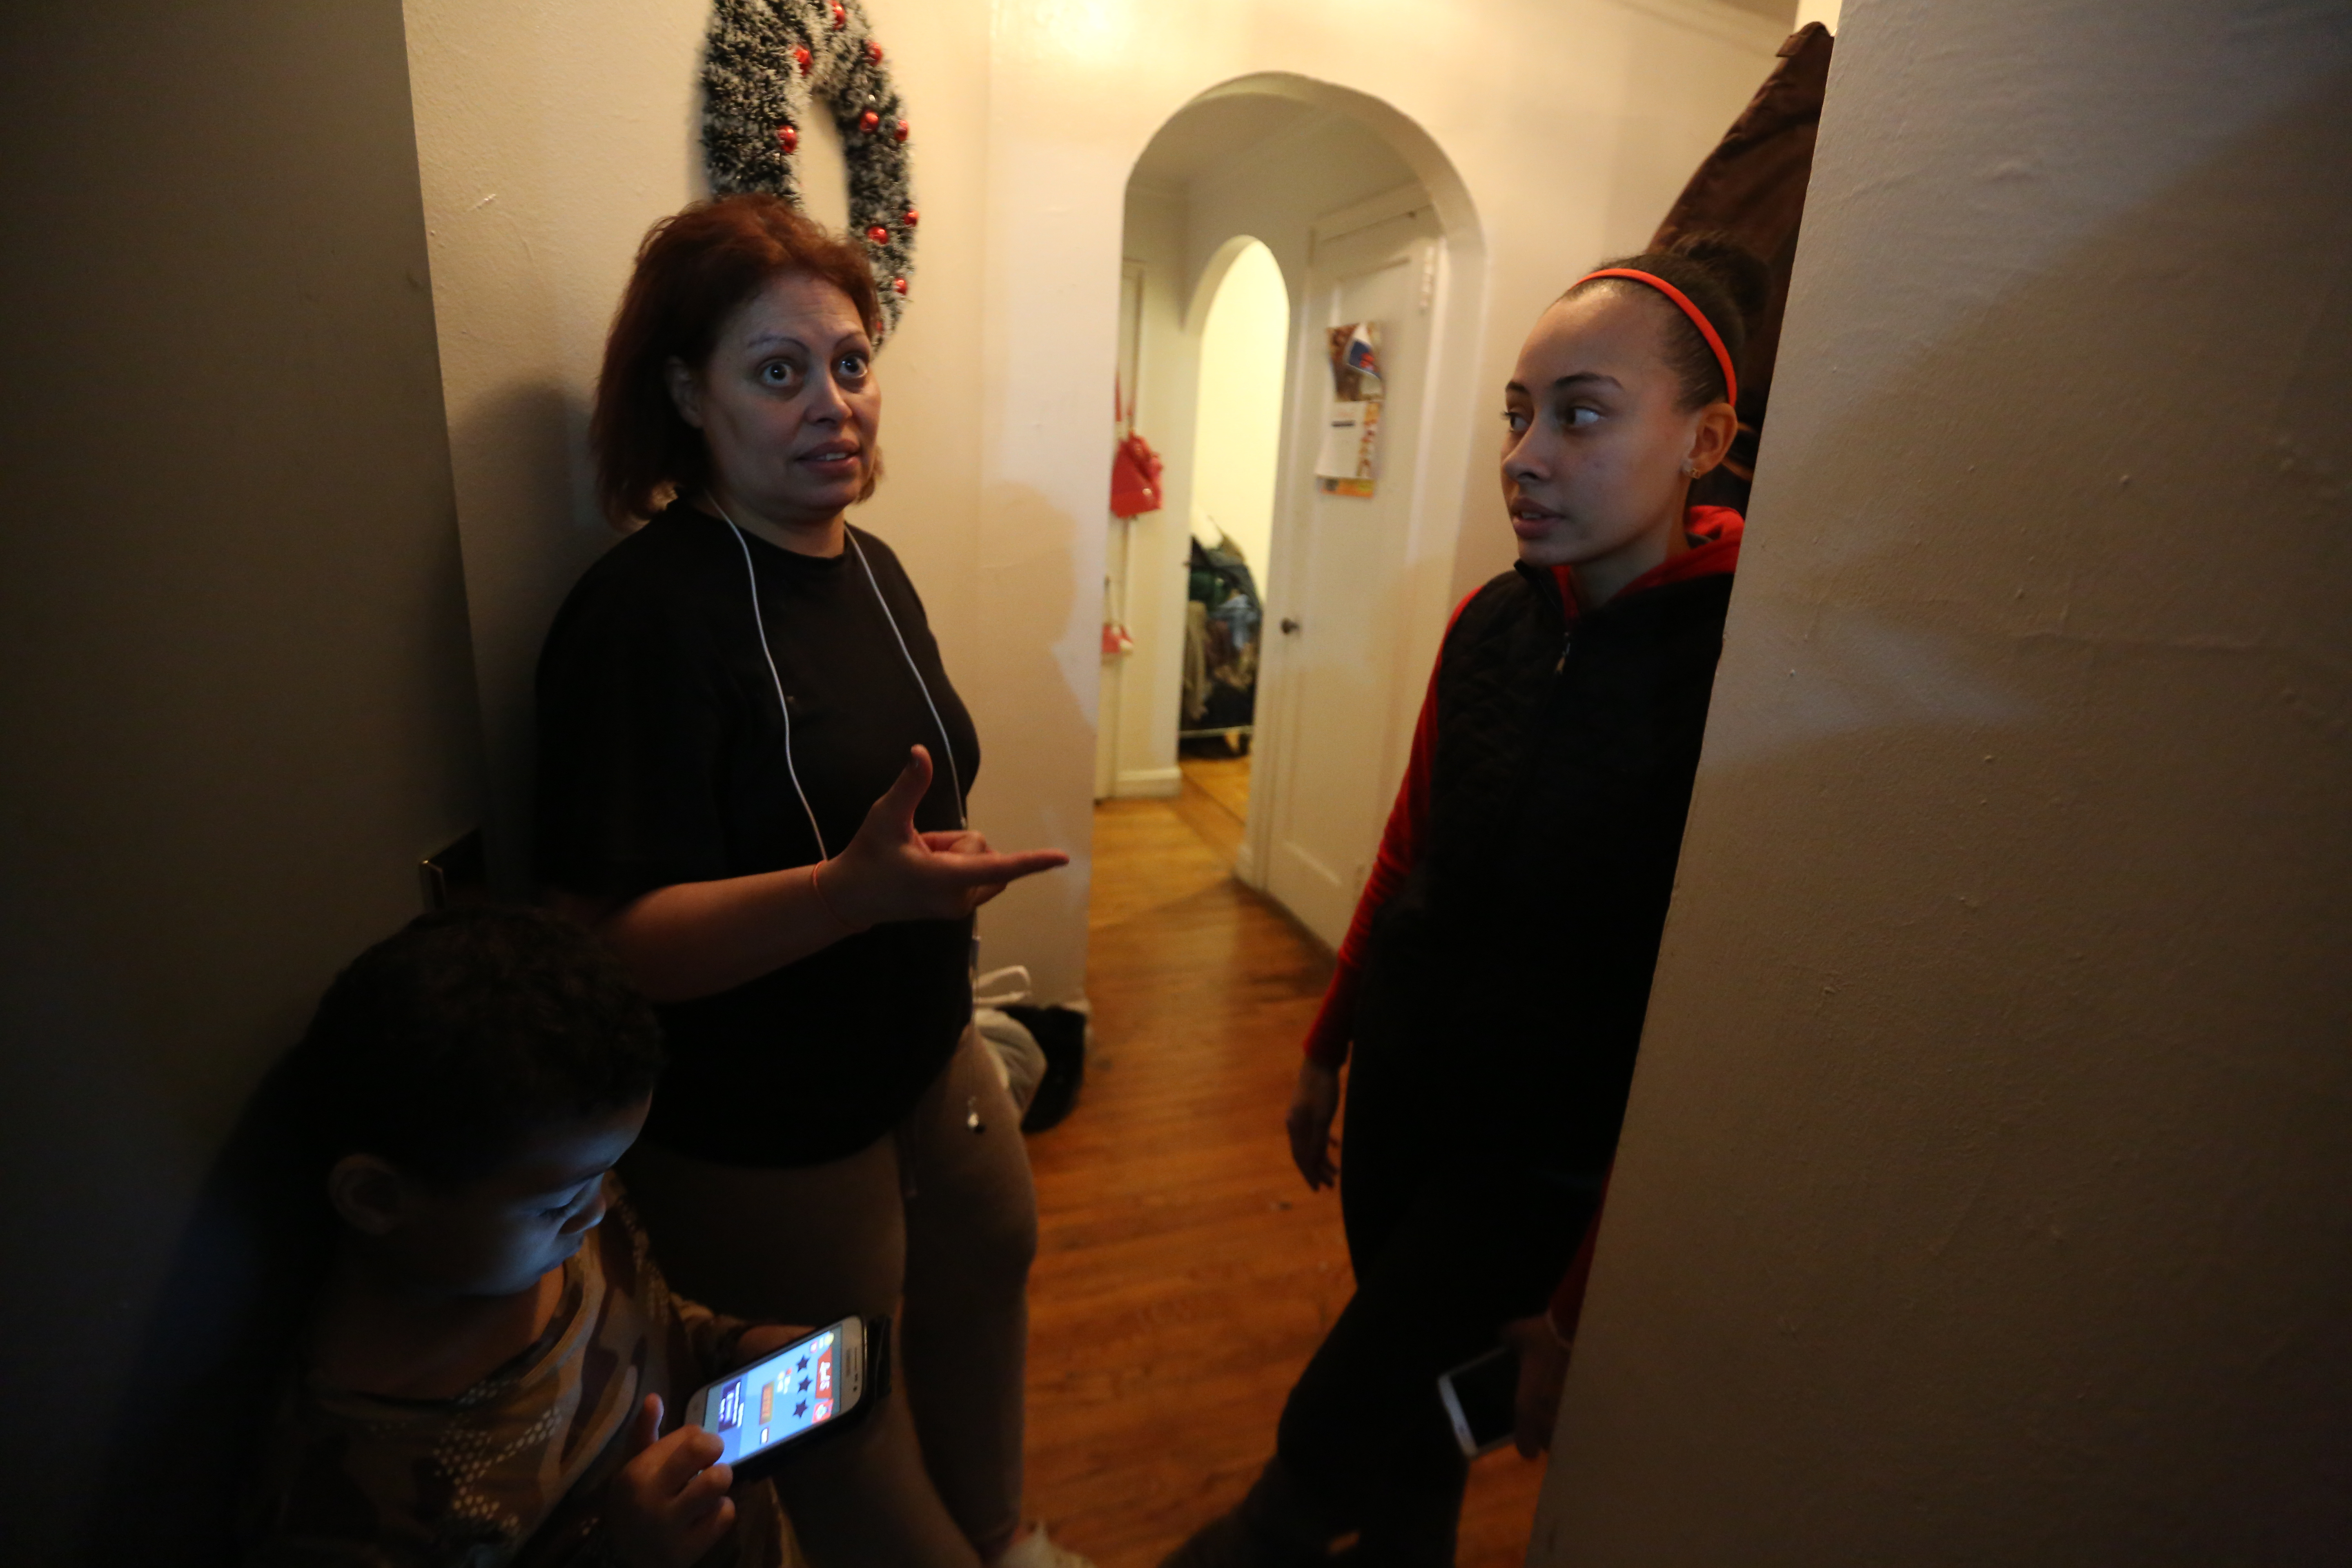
1690 469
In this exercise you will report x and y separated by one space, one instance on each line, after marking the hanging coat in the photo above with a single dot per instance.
1752 187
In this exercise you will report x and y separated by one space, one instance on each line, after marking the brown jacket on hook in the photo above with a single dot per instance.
1752 187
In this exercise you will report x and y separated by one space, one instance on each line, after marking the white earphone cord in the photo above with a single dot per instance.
947 748
783 709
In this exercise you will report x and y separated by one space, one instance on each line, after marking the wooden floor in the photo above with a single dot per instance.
1184 1272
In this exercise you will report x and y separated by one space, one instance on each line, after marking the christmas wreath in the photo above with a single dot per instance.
769 66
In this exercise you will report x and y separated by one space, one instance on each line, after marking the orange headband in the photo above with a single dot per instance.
1682 303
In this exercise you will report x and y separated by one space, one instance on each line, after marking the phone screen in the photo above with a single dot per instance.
1482 1399
766 1403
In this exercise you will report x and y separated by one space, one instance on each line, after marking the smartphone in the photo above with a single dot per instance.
810 1386
1481 1400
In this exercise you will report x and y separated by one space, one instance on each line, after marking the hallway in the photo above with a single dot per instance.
1184 1273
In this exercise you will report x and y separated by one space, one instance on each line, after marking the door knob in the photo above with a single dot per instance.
1289 626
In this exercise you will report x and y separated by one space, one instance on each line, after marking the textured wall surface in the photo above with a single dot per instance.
236 702
1983 1198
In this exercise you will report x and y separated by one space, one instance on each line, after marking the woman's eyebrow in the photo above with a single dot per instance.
785 338
1582 377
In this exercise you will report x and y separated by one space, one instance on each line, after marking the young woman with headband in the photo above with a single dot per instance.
1489 996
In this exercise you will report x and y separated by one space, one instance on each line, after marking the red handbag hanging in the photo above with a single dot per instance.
1134 467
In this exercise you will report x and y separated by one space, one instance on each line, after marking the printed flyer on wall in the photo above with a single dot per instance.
1346 466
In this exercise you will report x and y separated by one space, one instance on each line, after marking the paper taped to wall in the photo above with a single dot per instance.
1345 428
1346 463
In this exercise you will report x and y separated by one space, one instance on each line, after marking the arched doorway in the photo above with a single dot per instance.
1236 459
1367 224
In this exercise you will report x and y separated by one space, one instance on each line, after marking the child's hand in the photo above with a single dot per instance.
669 1505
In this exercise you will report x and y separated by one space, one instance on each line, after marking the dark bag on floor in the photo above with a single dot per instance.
1061 1034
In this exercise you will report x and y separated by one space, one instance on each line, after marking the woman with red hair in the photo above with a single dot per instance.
753 770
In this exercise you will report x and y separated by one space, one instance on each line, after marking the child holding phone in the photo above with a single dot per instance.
493 1355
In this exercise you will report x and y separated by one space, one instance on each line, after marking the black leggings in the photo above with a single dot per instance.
1447 1246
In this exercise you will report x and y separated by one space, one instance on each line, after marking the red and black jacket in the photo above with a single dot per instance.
1506 936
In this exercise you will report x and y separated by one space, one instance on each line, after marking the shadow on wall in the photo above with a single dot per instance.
2056 1069
1044 558
209 1369
96 1154
521 460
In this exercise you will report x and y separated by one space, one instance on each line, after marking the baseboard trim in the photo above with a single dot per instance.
1157 783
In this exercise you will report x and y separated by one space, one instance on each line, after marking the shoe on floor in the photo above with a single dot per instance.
1034 1549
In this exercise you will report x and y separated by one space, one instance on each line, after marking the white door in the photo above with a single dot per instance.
1334 632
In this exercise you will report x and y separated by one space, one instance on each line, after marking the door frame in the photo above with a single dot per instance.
1426 559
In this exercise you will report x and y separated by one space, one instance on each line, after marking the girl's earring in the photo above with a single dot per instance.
1690 469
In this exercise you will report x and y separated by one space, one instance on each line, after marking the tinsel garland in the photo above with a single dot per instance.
774 63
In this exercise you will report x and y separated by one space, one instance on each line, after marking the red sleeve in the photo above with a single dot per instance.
1335 1025
1567 1302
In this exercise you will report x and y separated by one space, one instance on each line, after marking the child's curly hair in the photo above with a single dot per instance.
442 1046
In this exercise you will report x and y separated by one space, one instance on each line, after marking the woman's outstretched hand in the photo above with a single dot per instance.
891 871
1313 1104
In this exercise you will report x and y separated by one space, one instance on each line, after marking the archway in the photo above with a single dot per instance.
1245 315
1323 178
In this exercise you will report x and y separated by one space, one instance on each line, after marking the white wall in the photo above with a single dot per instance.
551 134
1983 1195
1245 348
1138 695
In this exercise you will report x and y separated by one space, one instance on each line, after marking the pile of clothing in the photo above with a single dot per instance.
1223 619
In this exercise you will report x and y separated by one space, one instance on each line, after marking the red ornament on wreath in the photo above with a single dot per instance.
763 72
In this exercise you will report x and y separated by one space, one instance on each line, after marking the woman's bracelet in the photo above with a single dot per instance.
818 889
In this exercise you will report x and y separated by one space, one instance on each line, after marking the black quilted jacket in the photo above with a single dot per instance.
1512 971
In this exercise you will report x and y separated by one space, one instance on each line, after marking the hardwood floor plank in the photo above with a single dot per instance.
1184 1273
1226 779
